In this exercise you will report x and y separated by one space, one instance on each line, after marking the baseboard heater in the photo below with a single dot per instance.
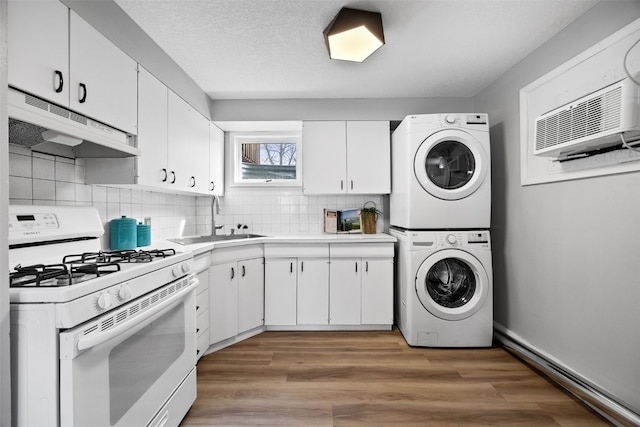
608 408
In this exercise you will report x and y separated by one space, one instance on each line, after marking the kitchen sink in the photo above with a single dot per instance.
213 238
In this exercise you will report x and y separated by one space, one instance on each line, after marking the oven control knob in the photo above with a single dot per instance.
176 271
104 300
186 267
451 239
124 293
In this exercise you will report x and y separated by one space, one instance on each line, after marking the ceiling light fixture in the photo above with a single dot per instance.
354 34
61 138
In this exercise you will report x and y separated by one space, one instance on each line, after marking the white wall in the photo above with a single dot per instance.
334 109
5 383
566 254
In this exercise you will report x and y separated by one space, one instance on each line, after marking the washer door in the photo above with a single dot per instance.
452 284
450 164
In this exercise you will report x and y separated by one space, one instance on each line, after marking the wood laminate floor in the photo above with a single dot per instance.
373 379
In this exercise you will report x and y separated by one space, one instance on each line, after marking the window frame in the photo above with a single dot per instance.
239 138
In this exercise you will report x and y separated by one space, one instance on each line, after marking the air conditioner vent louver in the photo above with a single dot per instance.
589 123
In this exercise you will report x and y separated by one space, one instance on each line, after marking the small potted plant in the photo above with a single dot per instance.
369 215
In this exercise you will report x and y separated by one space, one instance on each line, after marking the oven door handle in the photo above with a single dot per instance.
135 323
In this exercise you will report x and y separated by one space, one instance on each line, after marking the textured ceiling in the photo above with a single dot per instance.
267 49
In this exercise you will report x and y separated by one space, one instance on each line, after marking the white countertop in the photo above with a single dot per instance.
199 248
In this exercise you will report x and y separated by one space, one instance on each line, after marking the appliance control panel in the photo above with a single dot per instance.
32 222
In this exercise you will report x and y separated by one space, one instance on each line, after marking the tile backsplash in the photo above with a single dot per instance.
42 179
36 178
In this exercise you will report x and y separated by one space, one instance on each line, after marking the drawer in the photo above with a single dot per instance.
202 343
202 322
298 250
202 261
361 250
202 302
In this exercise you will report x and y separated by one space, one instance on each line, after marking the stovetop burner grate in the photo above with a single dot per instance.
81 267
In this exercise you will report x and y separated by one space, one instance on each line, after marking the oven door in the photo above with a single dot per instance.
121 368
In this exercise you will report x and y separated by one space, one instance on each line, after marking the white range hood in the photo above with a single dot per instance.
49 128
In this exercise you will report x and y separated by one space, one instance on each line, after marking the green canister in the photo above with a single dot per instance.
144 234
123 234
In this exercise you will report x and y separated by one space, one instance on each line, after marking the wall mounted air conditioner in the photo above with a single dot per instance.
598 120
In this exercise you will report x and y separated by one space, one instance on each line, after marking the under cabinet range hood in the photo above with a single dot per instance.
51 129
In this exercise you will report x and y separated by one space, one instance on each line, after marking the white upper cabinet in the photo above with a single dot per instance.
324 161
56 55
103 82
152 131
368 157
188 154
216 160
38 48
198 152
351 157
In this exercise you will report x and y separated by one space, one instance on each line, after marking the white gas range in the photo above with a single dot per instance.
97 338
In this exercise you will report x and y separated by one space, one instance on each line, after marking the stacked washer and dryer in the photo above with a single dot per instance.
440 212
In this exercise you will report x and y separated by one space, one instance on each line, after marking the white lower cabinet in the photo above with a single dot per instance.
280 291
332 285
313 291
236 292
202 314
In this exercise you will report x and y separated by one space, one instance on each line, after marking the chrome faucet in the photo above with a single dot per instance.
215 210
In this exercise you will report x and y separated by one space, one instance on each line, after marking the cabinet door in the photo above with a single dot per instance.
198 151
368 157
38 48
280 282
344 291
250 294
178 142
216 160
324 157
377 292
223 301
152 130
103 83
313 291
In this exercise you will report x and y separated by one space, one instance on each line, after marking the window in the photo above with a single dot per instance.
267 159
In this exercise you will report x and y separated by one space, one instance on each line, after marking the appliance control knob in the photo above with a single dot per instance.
176 271
186 267
124 293
451 239
450 119
104 300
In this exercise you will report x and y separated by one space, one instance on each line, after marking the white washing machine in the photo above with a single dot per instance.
444 288
441 172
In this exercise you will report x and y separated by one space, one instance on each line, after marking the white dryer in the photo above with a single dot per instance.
444 288
441 172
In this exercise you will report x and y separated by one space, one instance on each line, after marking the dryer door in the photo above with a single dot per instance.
451 164
452 284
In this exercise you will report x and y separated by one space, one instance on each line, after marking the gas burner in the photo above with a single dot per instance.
39 275
114 257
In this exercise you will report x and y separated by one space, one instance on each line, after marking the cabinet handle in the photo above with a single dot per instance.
352 184
366 266
244 272
213 186
233 273
341 184
197 330
58 87
83 98
301 266
291 268
173 177
356 266
164 171
197 307
193 181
